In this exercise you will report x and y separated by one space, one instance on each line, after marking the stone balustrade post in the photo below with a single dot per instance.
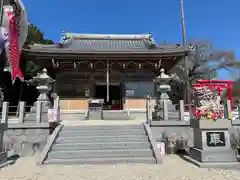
56 108
228 110
238 110
165 110
150 109
22 111
147 108
181 110
5 109
39 111
56 103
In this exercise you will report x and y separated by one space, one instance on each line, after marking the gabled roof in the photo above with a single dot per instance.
106 41
73 43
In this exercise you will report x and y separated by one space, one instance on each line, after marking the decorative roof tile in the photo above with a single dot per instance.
37 46
106 42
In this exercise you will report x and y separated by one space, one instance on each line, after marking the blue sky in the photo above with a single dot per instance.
214 20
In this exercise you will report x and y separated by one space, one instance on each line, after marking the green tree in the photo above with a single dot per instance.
36 36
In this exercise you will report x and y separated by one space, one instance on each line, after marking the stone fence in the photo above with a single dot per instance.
178 130
180 111
27 134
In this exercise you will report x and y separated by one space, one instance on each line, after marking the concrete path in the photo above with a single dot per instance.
173 168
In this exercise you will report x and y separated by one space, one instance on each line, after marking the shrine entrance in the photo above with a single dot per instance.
112 95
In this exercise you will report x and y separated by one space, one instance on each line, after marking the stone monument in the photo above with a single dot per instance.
164 109
43 82
212 147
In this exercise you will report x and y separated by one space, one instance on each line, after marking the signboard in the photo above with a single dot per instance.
215 139
139 89
50 115
95 104
54 115
130 92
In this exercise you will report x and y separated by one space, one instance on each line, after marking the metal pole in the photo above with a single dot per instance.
1 11
184 38
107 82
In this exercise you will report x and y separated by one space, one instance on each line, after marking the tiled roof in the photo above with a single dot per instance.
106 42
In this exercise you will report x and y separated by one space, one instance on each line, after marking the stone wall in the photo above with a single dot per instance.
26 137
183 131
26 141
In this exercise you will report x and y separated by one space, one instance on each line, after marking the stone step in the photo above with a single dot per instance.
100 153
138 115
110 160
76 133
94 115
100 146
103 127
94 139
171 114
115 115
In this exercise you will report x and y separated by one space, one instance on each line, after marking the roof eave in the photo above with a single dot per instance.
127 51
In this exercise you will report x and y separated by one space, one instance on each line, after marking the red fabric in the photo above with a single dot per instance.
116 108
14 53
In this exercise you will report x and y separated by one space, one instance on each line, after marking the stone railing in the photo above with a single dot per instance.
28 132
22 116
183 114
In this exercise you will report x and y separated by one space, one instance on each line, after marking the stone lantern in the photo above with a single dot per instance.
163 87
44 85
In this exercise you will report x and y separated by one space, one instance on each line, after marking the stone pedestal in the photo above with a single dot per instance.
212 146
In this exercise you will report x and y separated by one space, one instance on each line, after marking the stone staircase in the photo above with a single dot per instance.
115 115
101 144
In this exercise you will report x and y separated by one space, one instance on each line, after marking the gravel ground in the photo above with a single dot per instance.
173 168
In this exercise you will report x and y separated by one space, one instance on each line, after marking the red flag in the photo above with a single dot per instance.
14 30
13 48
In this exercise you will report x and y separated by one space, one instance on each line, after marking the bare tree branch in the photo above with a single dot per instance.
204 62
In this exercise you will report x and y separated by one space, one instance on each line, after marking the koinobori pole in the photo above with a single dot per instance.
1 11
184 38
107 98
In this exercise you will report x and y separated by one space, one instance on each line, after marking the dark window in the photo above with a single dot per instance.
139 89
77 89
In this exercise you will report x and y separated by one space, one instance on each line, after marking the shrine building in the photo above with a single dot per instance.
117 68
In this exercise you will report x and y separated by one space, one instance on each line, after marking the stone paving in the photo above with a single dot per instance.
174 168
